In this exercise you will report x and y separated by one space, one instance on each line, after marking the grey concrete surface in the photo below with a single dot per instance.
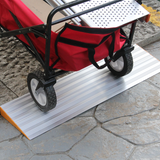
62 138
125 127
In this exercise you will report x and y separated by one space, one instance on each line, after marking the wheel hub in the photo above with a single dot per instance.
39 94
118 65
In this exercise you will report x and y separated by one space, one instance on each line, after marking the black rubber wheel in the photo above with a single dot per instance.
121 66
44 97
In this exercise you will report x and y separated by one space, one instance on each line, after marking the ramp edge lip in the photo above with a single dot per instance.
7 117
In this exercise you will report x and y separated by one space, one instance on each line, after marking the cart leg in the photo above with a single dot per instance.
133 27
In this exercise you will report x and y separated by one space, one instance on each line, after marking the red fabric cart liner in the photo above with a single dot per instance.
80 46
72 57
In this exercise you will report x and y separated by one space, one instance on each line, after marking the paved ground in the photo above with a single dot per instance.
125 127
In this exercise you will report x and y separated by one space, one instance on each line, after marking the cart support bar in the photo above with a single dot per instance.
132 31
34 29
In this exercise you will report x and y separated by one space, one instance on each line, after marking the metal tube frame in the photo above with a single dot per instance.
44 31
133 27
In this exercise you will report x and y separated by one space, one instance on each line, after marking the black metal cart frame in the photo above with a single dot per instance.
44 31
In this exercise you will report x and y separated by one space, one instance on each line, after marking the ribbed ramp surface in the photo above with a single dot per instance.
77 93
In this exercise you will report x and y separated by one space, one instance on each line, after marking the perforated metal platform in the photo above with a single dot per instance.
76 93
115 15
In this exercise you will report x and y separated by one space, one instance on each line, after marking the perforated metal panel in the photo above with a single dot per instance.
114 15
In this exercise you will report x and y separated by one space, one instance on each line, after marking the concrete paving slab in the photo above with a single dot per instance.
62 138
133 101
150 152
51 157
155 80
7 131
14 149
140 129
89 113
101 145
154 49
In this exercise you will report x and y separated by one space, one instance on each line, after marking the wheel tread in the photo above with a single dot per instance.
128 65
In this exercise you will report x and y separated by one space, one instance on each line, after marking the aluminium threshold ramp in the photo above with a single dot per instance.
76 93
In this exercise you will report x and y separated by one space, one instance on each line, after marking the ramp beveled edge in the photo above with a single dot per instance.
7 117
